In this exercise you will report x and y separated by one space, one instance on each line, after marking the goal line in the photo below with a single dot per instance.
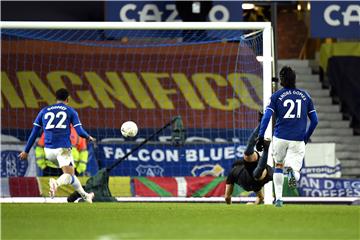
295 200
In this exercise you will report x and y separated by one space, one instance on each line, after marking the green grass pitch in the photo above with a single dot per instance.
110 221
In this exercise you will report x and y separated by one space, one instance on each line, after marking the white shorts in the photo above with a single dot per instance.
59 156
290 153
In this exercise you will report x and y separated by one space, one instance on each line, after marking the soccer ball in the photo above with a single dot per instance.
129 129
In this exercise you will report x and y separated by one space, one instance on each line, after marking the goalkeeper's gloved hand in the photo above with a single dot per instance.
260 144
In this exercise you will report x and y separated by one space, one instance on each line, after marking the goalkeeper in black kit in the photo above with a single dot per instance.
251 172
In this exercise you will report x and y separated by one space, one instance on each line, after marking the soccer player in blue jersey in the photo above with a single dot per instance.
292 107
55 121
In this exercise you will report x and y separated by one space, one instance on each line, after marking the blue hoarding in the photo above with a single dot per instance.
329 187
11 165
335 19
206 152
168 160
165 11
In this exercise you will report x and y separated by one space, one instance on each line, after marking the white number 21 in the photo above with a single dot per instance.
289 113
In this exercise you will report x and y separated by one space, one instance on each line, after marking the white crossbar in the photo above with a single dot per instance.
137 25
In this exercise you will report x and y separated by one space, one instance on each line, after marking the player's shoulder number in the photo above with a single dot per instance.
61 116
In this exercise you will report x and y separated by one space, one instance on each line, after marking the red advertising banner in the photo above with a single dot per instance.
211 85
24 187
207 186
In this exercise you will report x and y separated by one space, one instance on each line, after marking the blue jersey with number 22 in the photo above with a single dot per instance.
291 108
55 121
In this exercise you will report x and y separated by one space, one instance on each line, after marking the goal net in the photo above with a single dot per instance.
214 75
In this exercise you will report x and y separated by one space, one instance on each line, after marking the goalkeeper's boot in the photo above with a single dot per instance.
89 197
73 197
279 203
291 178
53 187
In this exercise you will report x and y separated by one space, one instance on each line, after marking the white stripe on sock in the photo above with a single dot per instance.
278 179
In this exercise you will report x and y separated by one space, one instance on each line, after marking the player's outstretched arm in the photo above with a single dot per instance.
34 133
229 188
78 127
82 133
313 123
263 125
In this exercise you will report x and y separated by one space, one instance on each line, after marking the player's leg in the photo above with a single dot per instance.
74 181
279 153
294 158
69 175
66 163
259 170
249 154
51 155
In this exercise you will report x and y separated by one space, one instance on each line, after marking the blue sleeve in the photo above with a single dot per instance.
265 121
310 106
313 123
82 133
38 119
272 103
270 109
34 134
74 119
77 125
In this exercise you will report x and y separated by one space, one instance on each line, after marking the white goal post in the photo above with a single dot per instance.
264 27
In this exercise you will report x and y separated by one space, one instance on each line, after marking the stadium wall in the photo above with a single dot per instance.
291 35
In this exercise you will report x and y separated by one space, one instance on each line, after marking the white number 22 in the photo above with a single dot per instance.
62 115
289 113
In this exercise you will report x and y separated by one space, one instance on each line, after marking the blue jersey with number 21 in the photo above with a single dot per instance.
291 108
55 121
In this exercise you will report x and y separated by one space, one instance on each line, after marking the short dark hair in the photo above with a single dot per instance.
287 77
62 94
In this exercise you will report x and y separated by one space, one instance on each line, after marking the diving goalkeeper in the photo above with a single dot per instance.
251 172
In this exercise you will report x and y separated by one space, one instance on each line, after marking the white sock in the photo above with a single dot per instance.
278 178
297 175
64 179
77 186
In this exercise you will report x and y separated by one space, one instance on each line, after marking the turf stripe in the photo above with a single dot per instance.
154 187
207 188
